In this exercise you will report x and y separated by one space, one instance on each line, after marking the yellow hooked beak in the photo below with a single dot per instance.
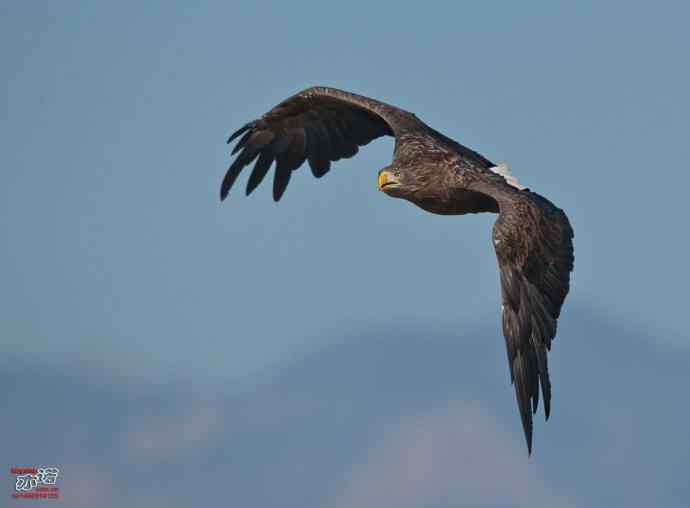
387 178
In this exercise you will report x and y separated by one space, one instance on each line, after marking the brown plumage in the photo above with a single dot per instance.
532 237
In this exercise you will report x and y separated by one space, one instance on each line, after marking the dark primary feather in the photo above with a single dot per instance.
238 132
261 167
319 125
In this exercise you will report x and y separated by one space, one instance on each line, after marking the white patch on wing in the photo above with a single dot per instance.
503 170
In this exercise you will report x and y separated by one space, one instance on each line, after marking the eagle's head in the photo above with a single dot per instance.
392 182
413 183
433 190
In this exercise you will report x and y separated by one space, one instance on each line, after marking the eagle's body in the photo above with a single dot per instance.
532 237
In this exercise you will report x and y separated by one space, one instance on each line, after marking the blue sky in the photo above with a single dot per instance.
118 257
114 127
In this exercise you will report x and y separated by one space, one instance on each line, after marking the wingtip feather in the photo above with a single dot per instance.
238 132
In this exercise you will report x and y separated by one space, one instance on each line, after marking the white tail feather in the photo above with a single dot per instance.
503 170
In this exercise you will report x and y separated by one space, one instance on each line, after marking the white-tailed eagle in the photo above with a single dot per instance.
532 237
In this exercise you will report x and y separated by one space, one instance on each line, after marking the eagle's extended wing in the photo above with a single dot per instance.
318 124
533 243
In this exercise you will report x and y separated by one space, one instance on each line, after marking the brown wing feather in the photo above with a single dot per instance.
318 125
533 243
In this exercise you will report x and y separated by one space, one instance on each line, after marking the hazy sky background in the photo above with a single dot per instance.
118 259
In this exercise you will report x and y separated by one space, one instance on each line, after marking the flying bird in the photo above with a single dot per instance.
532 237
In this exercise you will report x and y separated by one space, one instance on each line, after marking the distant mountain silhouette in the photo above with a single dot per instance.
394 414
